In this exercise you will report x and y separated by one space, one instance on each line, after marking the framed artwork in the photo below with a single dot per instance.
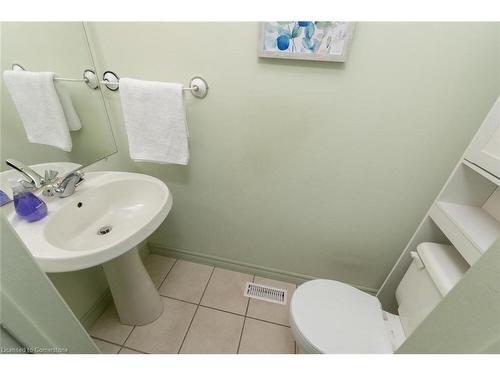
306 40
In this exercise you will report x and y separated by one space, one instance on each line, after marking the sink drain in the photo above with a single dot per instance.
104 230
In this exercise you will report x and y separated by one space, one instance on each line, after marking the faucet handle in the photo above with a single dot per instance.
27 186
80 175
49 190
33 178
80 180
50 175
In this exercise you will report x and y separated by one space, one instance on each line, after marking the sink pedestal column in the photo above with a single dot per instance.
136 299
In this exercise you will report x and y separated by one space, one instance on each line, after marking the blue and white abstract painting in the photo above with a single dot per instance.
310 40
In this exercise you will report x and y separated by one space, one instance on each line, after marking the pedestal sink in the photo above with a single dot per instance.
109 214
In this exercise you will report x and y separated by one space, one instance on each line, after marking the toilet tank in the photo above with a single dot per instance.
435 269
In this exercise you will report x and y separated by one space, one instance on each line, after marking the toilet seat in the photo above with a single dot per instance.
328 316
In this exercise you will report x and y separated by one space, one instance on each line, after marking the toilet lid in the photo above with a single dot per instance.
337 318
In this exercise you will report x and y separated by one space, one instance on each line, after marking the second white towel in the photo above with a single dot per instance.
155 120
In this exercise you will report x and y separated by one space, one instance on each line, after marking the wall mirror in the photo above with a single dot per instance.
62 48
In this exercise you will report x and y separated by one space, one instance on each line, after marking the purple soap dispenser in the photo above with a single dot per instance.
28 205
4 198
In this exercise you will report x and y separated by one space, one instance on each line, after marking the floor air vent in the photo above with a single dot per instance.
266 293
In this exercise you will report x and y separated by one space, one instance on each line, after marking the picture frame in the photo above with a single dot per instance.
306 40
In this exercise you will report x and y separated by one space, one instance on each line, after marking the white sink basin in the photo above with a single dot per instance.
109 214
132 205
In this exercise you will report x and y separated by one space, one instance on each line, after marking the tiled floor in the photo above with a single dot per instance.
204 312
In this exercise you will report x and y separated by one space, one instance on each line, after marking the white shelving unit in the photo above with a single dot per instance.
472 230
466 213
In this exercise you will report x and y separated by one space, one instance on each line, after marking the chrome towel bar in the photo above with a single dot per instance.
197 85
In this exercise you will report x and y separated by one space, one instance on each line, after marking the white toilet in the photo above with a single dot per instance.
328 316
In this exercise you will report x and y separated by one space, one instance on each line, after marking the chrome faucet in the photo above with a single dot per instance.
52 186
66 186
34 180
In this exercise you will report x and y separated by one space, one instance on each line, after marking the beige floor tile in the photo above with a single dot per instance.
165 334
186 281
128 351
158 267
266 338
109 328
225 291
106 347
213 331
272 312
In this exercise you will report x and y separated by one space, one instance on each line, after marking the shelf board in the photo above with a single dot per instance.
471 229
482 172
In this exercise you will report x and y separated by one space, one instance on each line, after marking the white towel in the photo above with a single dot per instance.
155 120
72 118
39 107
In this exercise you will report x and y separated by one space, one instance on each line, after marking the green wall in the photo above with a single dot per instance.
318 169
